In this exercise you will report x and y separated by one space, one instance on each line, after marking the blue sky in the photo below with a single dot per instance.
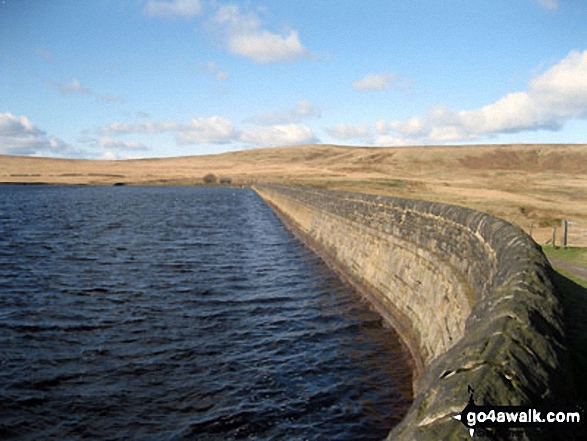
152 78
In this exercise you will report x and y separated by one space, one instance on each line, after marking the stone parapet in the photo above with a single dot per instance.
470 295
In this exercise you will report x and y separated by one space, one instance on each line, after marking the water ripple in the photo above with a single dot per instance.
180 314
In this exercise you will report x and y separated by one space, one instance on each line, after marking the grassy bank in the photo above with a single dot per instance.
570 262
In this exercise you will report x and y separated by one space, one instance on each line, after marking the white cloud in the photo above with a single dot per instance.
551 5
552 98
44 53
19 136
74 87
172 9
212 130
110 143
109 99
212 68
244 36
12 125
381 81
351 132
394 141
278 135
110 155
382 127
152 127
302 110
70 88
266 47
215 130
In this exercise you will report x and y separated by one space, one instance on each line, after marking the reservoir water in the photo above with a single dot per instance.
181 314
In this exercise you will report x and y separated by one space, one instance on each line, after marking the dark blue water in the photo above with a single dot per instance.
181 314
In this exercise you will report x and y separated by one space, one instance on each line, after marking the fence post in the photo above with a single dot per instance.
553 240
565 233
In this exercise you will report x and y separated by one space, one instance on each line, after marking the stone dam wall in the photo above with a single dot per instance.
470 295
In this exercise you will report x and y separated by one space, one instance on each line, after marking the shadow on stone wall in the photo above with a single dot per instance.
575 311
472 296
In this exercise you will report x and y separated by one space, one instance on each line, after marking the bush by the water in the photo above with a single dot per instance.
209 179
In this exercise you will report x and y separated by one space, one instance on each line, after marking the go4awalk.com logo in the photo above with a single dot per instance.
481 418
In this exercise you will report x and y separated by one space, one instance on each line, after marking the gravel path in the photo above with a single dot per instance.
576 270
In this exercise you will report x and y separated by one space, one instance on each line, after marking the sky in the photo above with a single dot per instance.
118 79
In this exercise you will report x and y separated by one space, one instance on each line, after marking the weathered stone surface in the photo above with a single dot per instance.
470 295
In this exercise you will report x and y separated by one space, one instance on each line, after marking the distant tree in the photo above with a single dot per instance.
209 179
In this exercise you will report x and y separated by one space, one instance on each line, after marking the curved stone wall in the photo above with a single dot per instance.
470 295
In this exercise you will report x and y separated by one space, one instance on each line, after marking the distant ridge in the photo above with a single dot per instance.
532 185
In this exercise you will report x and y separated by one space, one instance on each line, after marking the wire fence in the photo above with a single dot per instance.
574 234
570 233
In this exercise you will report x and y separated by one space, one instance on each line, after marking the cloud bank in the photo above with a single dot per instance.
217 130
213 130
278 135
109 143
351 132
19 136
554 97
